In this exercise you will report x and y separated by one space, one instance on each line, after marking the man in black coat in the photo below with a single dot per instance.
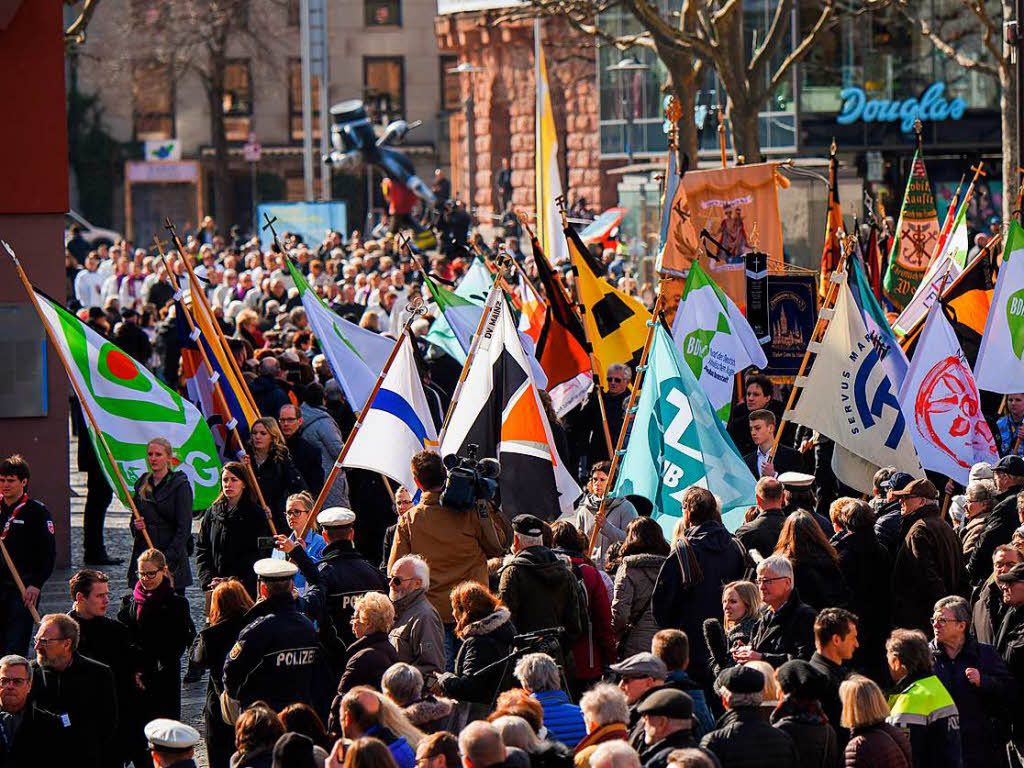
680 599
762 533
132 339
585 427
668 726
888 515
757 395
835 640
744 739
78 690
1010 645
1003 520
305 455
759 461
27 732
268 389
785 626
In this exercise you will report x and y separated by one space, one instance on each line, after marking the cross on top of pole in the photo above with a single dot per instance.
270 225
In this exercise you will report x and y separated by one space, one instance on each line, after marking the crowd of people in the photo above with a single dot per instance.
827 630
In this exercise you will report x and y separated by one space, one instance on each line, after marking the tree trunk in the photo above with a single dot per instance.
222 203
683 76
746 138
1008 120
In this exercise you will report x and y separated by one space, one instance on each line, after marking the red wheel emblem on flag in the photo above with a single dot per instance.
947 411
120 365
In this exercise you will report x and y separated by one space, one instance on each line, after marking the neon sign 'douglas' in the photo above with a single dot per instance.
931 106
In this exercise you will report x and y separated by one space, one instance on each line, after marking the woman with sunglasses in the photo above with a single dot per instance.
160 623
297 510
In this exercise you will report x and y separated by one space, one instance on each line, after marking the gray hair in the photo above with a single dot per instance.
420 567
981 490
529 541
689 757
956 605
779 565
604 704
516 732
13 660
614 754
743 699
402 683
537 672
621 368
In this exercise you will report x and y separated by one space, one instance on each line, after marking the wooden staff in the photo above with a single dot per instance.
721 138
816 336
17 580
627 421
209 313
415 310
81 399
214 378
598 389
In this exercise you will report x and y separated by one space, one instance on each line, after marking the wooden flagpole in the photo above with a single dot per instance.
17 580
81 399
214 378
627 421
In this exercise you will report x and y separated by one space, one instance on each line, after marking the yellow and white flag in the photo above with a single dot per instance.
547 179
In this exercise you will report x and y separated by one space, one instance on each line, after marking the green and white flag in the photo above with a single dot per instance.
131 407
1000 365
476 283
714 338
457 321
677 440
356 355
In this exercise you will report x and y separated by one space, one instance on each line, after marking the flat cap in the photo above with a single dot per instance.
170 735
272 569
1013 575
980 471
644 664
922 488
336 517
897 481
740 679
528 525
798 678
669 703
796 479
1010 465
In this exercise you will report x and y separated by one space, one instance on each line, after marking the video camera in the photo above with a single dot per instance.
469 480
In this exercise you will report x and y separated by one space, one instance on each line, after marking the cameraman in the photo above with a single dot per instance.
456 543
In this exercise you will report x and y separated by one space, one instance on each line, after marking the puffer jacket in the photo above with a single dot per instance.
484 642
618 514
562 718
744 739
167 512
322 432
878 746
632 610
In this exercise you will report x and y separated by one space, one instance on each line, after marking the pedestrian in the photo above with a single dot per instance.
372 653
888 516
618 513
171 744
741 606
404 685
1010 644
78 690
229 603
643 554
605 714
615 754
26 531
28 731
769 458
234 533
1009 429
163 497
1003 520
874 743
539 675
439 750
296 512
322 432
481 747
363 712
979 499
257 730
271 463
305 455
743 737
977 679
762 532
668 726
517 734
815 562
418 635
800 714
484 626
785 625
921 705
989 607
835 643
704 557
672 646
639 676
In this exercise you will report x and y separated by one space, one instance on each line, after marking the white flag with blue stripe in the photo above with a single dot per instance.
398 424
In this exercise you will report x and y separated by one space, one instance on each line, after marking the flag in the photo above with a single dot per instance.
1001 355
457 321
847 395
678 440
714 339
476 283
500 411
547 180
917 234
671 185
833 227
561 345
616 322
533 312
943 270
680 244
941 403
356 355
131 407
895 361
399 411
967 304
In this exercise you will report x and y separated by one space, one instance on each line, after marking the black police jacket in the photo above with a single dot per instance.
27 531
344 575
275 656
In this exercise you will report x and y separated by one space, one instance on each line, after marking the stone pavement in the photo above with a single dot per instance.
55 598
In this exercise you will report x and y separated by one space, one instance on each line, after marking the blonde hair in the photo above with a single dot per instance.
771 692
749 595
269 423
377 610
863 702
303 498
154 556
144 490
391 715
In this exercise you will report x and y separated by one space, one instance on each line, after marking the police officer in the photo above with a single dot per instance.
171 744
26 530
344 574
275 657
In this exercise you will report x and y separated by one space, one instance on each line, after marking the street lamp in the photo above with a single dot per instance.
469 69
628 65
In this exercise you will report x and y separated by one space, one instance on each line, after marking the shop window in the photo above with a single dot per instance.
237 100
153 100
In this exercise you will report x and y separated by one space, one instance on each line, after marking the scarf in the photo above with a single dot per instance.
143 596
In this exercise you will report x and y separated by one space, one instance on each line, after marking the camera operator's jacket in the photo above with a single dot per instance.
455 543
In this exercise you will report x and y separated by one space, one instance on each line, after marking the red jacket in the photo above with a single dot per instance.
594 649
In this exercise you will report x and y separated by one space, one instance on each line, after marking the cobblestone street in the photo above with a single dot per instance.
55 596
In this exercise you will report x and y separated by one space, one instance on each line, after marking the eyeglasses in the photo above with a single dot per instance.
45 641
294 512
396 580
13 680
761 581
148 574
941 622
616 379
425 759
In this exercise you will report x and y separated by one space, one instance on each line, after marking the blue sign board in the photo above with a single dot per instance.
311 221
931 106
